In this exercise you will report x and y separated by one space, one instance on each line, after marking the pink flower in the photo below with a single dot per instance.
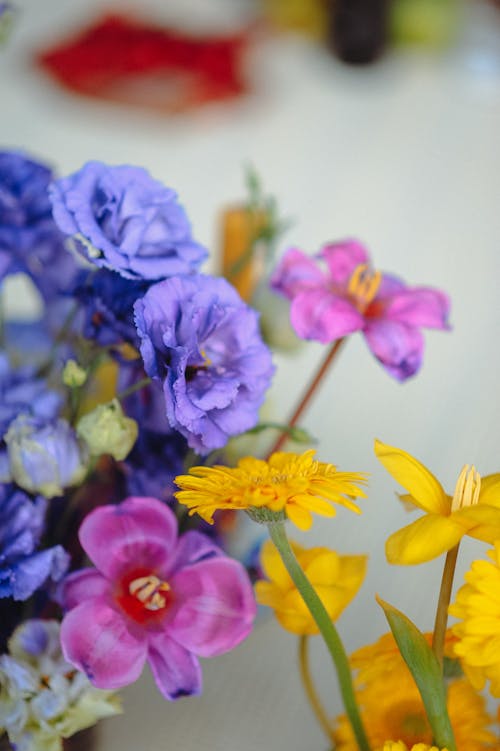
348 296
151 597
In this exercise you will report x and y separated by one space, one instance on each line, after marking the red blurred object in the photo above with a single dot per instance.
125 60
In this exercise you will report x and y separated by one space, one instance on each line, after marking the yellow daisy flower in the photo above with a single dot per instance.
400 746
477 604
336 579
295 485
474 508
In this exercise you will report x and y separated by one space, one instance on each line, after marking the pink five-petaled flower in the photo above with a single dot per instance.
151 597
349 296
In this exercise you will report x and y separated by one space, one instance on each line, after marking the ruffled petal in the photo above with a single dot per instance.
342 258
95 638
490 490
419 306
215 606
141 531
398 347
295 272
80 586
176 671
425 490
324 317
424 539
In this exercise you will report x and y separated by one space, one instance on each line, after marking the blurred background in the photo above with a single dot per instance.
363 118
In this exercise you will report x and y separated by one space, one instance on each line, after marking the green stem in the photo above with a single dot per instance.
328 631
309 689
135 387
441 621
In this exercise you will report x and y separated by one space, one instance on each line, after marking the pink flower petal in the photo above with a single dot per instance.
398 347
322 316
389 285
176 671
216 606
342 258
138 531
193 547
420 306
81 585
95 638
295 272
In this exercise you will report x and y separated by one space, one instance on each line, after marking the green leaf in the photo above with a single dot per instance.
426 673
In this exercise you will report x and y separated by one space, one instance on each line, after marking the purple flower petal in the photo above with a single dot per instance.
95 638
323 316
216 609
82 585
342 258
193 547
138 532
295 272
420 306
398 347
176 671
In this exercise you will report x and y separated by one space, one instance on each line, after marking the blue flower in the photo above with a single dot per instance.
23 569
203 343
124 220
30 241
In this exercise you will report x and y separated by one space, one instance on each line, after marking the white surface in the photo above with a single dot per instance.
404 155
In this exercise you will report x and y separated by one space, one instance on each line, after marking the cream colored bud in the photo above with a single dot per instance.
107 430
73 375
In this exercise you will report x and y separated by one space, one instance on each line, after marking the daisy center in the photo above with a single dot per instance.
363 286
150 591
467 488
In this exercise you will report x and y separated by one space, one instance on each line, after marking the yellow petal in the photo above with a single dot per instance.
490 490
423 540
425 489
299 516
480 522
273 566
321 566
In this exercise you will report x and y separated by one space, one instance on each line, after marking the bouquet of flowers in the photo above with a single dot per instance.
122 482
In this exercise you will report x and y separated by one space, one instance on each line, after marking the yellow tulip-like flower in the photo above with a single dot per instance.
400 746
474 508
293 484
477 604
336 579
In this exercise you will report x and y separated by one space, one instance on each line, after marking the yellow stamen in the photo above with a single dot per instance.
363 285
467 488
207 360
148 590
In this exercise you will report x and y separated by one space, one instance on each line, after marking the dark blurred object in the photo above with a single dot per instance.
358 29
129 61
427 23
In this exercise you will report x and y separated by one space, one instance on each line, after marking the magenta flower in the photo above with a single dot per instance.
151 597
348 296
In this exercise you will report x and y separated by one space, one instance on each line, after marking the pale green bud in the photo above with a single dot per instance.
107 430
73 375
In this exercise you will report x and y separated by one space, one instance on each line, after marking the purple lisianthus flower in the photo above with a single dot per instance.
107 301
30 241
152 597
346 296
23 568
126 221
44 456
200 339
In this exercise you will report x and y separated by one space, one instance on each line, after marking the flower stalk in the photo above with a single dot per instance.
309 689
327 629
441 620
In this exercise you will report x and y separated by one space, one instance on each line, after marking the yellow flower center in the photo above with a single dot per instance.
467 488
363 286
148 590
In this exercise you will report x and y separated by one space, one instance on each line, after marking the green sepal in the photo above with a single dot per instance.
426 672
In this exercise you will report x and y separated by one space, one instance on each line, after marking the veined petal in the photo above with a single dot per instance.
215 606
324 317
419 306
490 490
95 638
138 530
397 346
425 490
424 539
342 258
176 671
481 522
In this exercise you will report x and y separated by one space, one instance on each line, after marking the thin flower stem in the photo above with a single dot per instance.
309 689
327 629
308 394
133 388
441 621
